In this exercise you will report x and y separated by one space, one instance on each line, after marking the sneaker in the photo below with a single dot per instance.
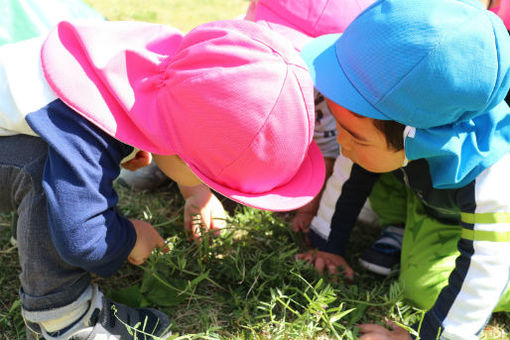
108 320
146 178
33 331
384 254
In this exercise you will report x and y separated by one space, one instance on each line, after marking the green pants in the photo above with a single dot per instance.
429 247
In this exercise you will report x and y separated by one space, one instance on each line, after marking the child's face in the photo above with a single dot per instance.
363 143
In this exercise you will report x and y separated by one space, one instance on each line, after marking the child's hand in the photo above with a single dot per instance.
141 159
323 260
301 221
202 211
147 238
377 332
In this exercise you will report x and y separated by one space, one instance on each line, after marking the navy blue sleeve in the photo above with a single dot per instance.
355 192
82 164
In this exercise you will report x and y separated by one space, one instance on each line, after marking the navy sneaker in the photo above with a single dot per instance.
108 320
384 255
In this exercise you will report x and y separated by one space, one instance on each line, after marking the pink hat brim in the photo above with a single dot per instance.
107 72
299 191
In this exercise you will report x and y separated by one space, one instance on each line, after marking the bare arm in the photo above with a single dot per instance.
202 210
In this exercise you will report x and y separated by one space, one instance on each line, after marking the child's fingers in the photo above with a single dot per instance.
218 223
332 269
308 256
373 336
160 242
193 224
371 327
188 226
205 217
349 273
319 265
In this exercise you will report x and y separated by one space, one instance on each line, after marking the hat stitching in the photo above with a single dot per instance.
287 62
319 18
433 50
411 69
352 84
258 131
303 97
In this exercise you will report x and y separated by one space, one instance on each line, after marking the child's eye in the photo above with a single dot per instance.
360 143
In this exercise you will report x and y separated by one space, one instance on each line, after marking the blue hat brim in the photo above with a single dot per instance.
330 79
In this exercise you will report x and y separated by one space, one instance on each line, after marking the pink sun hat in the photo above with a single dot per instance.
301 20
233 100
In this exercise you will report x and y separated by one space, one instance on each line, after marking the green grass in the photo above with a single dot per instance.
183 14
244 284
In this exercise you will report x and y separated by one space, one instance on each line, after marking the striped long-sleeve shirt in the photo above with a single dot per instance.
482 271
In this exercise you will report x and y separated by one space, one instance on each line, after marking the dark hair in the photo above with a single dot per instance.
393 131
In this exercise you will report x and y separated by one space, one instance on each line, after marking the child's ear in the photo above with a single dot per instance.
141 159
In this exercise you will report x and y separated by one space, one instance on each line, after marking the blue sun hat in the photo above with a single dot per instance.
441 67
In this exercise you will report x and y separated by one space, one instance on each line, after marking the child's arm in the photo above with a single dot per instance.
202 210
82 162
481 272
353 196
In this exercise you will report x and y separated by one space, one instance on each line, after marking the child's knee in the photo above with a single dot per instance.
422 289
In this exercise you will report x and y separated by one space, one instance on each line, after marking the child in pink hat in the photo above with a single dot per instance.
229 106
300 21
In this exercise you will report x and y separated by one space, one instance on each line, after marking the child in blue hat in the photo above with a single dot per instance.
417 88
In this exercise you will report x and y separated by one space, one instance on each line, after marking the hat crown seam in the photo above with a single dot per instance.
440 41
314 26
339 60
411 69
256 134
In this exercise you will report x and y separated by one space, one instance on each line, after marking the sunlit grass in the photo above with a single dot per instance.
244 284
183 14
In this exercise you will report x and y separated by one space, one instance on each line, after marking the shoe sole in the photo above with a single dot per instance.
375 268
